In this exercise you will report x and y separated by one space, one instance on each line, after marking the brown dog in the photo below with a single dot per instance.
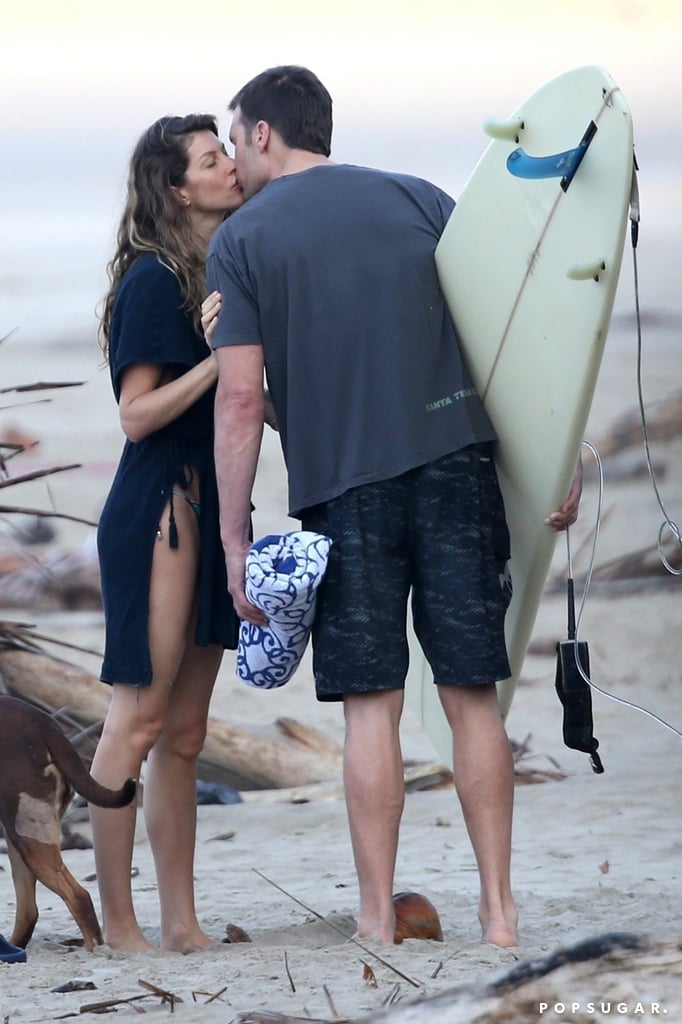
39 771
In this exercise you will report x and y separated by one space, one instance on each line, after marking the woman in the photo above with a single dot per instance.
167 609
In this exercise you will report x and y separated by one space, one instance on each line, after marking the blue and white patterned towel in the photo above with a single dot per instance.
283 572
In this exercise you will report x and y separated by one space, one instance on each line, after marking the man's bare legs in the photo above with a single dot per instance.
375 793
484 780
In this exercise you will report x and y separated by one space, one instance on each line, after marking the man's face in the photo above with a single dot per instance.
251 161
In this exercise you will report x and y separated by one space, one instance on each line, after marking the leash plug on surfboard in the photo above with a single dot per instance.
572 686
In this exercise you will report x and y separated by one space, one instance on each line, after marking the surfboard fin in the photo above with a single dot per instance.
504 130
558 165
585 271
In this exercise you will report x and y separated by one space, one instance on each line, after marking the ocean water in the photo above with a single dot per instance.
53 262
57 228
56 236
53 253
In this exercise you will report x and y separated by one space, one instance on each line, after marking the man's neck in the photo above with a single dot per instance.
297 160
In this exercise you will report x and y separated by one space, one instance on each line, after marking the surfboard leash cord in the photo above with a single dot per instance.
668 523
588 578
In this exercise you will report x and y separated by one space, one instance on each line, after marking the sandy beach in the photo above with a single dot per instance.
592 854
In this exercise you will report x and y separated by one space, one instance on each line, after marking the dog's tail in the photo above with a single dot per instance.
69 762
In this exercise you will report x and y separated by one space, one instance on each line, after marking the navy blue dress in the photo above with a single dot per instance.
149 325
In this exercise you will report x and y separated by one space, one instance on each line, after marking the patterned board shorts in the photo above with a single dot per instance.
438 531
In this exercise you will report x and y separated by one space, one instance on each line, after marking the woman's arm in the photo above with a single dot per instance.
146 404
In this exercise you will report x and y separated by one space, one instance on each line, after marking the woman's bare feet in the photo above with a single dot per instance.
186 940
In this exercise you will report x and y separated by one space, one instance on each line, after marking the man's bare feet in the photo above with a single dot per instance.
500 930
506 937
375 930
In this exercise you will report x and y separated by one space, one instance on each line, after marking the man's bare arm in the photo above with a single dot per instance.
239 415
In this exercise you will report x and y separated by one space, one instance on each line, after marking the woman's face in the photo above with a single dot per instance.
210 185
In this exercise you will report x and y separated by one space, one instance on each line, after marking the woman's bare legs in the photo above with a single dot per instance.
137 719
129 731
170 798
484 780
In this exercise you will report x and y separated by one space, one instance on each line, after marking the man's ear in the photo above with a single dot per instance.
262 134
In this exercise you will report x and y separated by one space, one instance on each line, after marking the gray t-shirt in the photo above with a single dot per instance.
332 271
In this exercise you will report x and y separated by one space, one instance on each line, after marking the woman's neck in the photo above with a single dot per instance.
204 226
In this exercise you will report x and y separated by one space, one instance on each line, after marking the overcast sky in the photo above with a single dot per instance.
412 82
105 68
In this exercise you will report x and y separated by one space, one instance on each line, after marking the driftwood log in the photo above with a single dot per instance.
417 777
608 977
50 581
286 763
633 571
593 981
288 754
663 424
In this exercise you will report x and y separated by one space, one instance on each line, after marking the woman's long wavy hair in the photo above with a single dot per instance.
153 220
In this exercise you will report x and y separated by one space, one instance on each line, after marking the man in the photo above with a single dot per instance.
328 282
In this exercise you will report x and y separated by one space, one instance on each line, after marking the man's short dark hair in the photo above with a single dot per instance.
294 102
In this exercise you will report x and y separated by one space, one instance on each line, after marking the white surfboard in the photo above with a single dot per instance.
529 268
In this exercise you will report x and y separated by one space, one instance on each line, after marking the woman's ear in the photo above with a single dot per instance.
180 197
